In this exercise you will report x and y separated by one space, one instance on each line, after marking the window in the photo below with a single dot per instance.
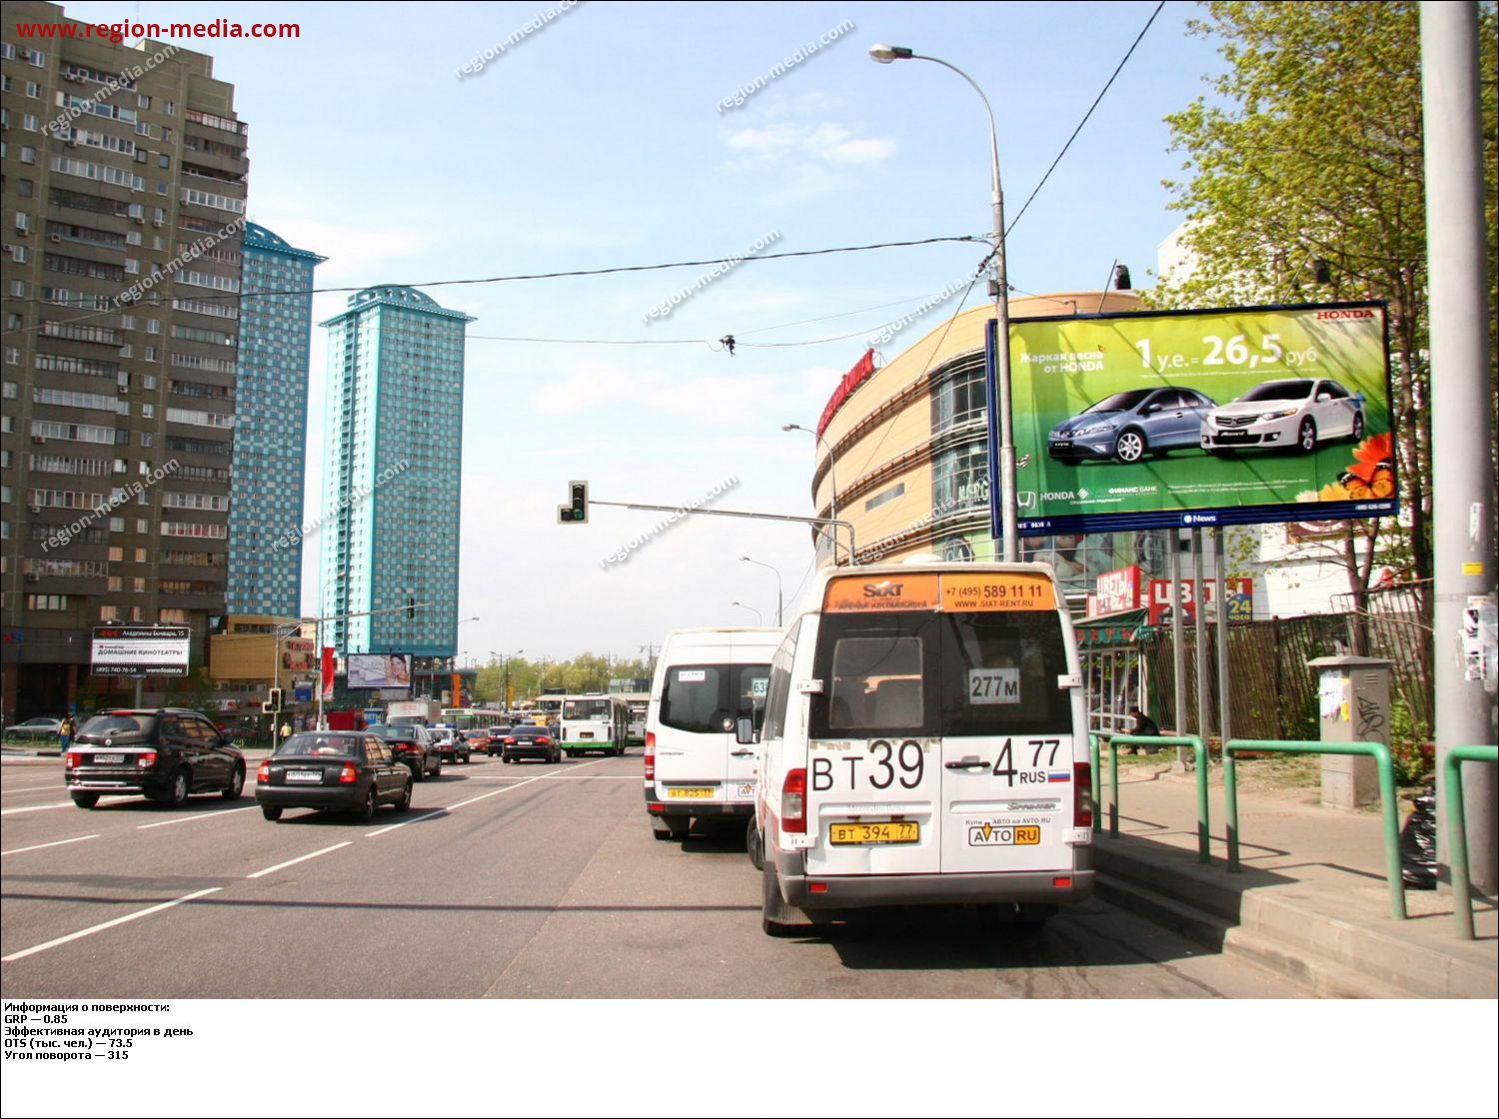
46 602
707 698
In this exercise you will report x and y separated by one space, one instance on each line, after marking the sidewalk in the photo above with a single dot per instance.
1312 900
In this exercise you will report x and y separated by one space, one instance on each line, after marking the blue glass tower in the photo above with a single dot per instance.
270 441
391 473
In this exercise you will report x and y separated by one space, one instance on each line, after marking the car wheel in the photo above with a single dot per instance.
418 772
236 784
181 786
366 811
1129 445
1358 427
405 802
85 800
754 843
437 770
557 758
270 811
1306 435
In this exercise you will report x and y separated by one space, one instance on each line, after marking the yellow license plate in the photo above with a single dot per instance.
691 793
895 831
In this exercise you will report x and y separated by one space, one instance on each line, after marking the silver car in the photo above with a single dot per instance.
1294 415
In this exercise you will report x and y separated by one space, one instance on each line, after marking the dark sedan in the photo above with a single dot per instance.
411 746
332 770
496 743
530 742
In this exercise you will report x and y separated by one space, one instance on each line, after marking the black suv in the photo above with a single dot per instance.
165 754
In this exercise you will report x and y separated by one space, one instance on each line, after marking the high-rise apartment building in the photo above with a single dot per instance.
270 442
124 180
391 474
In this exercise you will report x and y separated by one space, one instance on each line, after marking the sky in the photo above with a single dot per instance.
608 137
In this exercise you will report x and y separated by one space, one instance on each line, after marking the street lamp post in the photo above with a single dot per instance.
1008 510
759 617
780 621
832 482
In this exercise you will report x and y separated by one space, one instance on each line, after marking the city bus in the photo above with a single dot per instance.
473 718
925 741
545 709
638 709
594 724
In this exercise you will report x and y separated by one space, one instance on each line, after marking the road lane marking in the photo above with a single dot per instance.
57 843
472 800
199 816
299 859
34 808
107 925
49 787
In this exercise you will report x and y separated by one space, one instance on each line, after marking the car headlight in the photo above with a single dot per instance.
1279 415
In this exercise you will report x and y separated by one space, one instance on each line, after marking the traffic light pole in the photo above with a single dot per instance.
821 522
410 606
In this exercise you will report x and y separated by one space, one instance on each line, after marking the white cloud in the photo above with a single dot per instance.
826 143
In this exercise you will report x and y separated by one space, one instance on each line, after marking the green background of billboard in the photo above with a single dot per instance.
1351 350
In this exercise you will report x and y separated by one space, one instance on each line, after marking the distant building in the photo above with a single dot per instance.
270 447
388 531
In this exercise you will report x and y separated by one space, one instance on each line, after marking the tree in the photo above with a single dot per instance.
1313 152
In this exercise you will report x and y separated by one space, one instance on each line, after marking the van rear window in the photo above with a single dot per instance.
707 698
920 673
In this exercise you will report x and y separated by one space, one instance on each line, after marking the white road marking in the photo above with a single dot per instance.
35 808
300 859
481 796
12 790
107 925
40 846
199 816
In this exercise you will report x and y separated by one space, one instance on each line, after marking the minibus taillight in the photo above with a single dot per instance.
1082 795
794 802
650 756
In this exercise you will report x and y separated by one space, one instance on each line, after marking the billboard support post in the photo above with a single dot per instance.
1200 645
1462 440
1225 688
1178 651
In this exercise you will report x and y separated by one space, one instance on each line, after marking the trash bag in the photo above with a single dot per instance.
1418 844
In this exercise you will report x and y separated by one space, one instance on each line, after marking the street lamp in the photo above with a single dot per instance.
745 559
832 482
1000 291
759 617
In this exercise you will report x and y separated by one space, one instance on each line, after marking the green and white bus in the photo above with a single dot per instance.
594 724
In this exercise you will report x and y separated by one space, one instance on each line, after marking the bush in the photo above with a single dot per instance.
1411 747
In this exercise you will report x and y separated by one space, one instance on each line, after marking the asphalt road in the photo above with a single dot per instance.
519 881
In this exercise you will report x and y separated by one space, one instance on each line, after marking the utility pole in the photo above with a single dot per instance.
1461 437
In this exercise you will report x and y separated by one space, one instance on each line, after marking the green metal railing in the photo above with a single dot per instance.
1457 832
1389 807
1199 751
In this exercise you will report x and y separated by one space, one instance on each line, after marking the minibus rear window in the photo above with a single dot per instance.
920 673
708 698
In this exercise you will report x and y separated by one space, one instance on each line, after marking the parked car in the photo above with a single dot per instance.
166 754
42 727
333 770
411 745
1130 425
1293 414
530 742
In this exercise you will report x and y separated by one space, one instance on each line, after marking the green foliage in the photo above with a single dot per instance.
1311 149
587 672
1411 747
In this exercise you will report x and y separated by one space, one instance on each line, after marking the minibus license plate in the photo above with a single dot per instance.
896 831
697 794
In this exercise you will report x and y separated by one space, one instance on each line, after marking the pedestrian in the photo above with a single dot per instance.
1145 727
65 732
285 731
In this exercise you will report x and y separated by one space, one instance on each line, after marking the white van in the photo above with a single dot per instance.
706 682
925 742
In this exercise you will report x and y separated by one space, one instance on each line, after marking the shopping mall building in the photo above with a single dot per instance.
903 453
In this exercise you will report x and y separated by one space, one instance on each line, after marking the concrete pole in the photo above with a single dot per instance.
1462 440
1199 616
1178 650
1225 687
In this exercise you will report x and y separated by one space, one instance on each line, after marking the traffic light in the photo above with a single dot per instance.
274 699
577 512
410 609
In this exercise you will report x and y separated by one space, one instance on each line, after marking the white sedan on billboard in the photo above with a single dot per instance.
1294 414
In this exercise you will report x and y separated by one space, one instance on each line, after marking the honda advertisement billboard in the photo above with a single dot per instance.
1231 416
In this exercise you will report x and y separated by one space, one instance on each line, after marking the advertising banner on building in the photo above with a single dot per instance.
327 672
379 670
1115 592
1230 416
1240 601
135 650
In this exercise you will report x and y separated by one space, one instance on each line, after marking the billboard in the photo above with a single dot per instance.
1240 601
1232 416
135 650
379 670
